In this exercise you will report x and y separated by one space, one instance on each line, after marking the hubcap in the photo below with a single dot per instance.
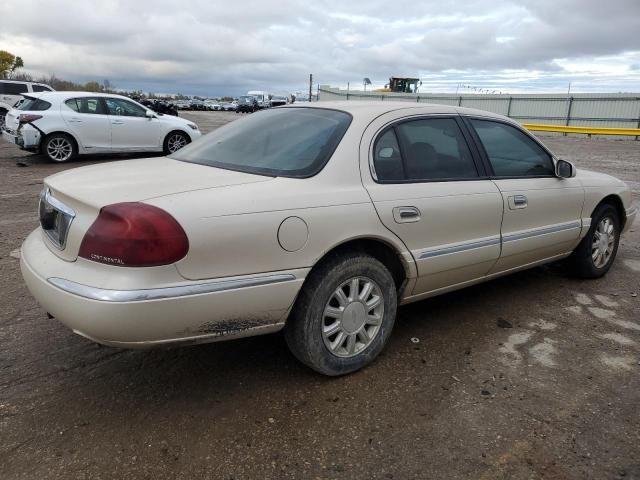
603 242
59 149
176 142
352 317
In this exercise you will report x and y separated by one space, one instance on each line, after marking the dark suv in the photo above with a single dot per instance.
247 104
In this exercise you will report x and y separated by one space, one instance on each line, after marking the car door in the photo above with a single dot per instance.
87 119
429 188
542 212
131 129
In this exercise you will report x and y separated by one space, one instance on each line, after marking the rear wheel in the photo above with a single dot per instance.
175 141
3 114
595 254
60 147
343 315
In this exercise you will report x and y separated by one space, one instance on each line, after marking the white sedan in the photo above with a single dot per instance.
63 125
317 219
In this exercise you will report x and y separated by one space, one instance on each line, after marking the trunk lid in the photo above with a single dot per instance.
84 191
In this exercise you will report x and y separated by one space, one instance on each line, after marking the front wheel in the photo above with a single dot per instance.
595 254
344 315
60 147
174 142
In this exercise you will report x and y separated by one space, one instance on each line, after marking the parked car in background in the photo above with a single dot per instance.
247 104
159 106
11 91
228 107
63 125
319 220
197 104
183 104
211 105
278 101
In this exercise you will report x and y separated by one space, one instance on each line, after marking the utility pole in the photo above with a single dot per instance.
310 85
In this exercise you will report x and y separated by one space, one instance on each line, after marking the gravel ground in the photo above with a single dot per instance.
536 375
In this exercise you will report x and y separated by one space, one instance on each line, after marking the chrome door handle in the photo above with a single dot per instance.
406 214
75 120
117 122
518 201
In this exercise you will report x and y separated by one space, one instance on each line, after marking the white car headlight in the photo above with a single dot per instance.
193 126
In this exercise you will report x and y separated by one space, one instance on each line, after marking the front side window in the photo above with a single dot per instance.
87 105
124 108
511 152
288 142
429 149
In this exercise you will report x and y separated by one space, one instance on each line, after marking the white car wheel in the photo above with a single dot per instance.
175 141
60 148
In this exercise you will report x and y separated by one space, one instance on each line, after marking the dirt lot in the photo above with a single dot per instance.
555 396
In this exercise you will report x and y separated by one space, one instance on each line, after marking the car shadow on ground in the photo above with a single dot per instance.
251 364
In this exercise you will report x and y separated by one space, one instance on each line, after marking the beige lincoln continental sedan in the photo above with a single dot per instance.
317 219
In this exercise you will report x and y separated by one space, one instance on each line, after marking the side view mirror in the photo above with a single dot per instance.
150 114
565 169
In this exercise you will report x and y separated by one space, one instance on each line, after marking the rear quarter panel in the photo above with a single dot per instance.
234 230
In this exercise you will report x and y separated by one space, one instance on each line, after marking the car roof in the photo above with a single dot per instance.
6 80
71 94
374 108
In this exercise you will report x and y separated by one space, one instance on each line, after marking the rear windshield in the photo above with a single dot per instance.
34 105
288 142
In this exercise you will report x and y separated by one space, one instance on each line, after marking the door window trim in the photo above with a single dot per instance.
466 119
475 155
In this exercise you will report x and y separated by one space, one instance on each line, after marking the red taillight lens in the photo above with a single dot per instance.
134 235
28 117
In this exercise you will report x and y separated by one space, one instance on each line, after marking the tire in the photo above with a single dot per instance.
318 310
3 114
174 141
582 263
60 147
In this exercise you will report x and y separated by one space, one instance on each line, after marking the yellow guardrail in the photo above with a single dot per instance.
536 127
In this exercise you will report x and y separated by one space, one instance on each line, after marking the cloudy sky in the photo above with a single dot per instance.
222 47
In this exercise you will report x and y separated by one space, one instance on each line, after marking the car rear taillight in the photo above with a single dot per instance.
28 117
134 235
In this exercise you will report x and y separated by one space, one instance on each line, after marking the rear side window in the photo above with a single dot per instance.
41 88
86 105
8 88
511 152
387 159
34 105
429 150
